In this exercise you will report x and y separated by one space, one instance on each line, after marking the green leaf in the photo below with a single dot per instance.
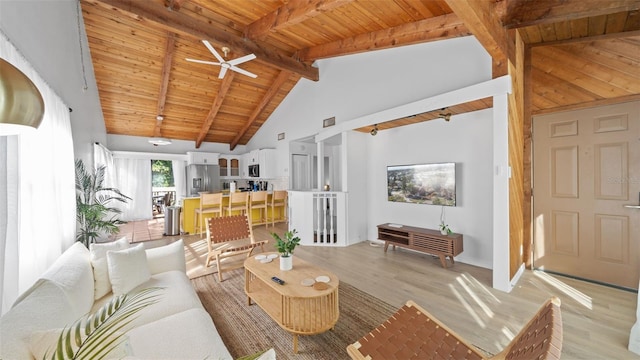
96 335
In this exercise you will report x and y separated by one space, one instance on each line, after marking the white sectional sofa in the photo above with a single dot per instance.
177 327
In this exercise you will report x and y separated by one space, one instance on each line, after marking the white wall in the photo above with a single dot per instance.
361 84
466 140
46 32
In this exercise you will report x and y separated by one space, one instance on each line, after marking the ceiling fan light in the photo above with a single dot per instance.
21 104
157 141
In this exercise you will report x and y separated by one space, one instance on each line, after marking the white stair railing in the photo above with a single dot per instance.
319 217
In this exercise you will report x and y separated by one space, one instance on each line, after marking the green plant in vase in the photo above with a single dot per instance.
288 244
285 248
444 229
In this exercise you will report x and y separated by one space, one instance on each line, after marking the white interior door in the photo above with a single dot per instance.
586 169
300 172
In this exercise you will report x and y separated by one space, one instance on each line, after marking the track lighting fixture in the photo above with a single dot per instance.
446 116
374 131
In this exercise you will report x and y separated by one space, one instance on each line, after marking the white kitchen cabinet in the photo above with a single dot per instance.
230 165
267 162
244 165
264 158
253 157
202 158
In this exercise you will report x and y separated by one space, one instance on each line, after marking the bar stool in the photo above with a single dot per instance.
238 201
258 200
279 200
209 204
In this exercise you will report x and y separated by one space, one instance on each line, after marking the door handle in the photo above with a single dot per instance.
632 206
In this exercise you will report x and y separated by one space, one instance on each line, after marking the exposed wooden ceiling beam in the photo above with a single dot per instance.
266 99
521 13
164 82
291 13
184 24
222 93
482 19
432 29
608 36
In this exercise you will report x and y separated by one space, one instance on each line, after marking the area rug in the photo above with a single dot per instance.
248 329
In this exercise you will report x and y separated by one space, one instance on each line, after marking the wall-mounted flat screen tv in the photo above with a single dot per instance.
433 184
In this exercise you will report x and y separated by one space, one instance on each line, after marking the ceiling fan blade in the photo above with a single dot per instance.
244 72
202 61
213 51
223 70
242 59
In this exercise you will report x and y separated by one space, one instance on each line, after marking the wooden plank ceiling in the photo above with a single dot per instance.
579 54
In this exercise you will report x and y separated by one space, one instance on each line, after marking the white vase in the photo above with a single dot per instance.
286 262
444 232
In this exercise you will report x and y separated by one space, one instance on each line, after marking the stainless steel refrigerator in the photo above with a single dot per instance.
202 178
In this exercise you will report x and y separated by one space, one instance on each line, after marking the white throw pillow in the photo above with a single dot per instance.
44 342
167 258
102 285
128 268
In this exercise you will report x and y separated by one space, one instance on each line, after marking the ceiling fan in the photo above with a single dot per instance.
224 64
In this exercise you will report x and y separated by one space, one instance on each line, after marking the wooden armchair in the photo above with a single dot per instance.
230 236
413 333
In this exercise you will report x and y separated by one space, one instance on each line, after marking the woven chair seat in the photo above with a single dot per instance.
413 333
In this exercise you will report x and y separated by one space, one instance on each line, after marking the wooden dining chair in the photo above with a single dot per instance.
230 236
210 204
278 202
413 333
258 201
238 201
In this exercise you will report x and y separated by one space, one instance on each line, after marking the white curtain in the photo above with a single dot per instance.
102 156
179 178
37 190
133 178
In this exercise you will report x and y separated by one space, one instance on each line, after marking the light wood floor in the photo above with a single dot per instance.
596 319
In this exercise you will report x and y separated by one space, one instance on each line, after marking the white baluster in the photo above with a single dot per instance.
318 215
331 213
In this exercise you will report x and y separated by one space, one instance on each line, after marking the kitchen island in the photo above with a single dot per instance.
190 204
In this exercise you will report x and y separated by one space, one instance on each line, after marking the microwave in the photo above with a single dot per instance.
254 170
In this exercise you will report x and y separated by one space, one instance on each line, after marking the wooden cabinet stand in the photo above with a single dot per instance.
423 240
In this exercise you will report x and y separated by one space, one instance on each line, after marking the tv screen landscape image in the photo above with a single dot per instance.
433 184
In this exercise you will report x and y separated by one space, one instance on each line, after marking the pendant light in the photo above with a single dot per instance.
21 104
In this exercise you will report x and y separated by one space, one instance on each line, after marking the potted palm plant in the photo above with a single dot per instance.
94 214
285 248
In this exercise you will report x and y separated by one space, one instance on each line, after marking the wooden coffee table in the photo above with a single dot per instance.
299 309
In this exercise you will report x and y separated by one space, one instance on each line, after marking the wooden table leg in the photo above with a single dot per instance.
452 261
386 246
247 276
443 261
295 343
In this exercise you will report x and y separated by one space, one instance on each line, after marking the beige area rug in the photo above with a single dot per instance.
248 329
